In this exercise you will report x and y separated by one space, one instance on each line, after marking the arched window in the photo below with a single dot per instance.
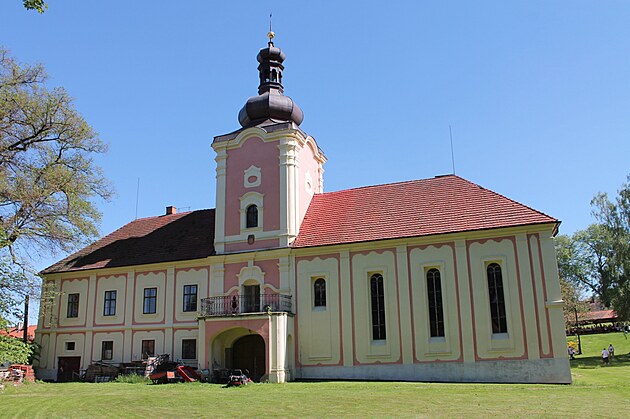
319 290
252 216
436 312
377 294
497 299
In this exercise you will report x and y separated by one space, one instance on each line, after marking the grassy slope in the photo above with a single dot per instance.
598 391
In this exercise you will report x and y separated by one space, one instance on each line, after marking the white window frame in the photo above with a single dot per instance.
252 198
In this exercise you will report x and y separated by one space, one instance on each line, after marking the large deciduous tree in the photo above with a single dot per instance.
571 287
614 217
598 258
49 183
48 179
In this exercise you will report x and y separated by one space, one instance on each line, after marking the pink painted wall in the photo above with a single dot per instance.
308 164
258 244
230 279
265 156
272 273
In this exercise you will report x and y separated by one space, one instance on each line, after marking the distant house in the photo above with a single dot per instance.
598 317
18 332
436 279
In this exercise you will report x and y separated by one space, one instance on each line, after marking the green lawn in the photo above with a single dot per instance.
597 392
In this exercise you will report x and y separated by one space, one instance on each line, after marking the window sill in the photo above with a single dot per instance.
500 336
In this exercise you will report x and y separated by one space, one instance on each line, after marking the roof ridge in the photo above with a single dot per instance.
393 183
399 209
157 216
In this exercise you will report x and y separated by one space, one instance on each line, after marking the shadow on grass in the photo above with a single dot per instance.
596 362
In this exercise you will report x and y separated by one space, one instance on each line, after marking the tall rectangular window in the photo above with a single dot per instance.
109 308
436 312
377 294
148 348
189 348
497 299
73 305
190 297
319 291
150 301
107 350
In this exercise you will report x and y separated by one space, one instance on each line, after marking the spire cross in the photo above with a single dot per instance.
271 34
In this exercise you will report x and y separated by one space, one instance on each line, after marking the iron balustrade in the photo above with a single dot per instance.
240 304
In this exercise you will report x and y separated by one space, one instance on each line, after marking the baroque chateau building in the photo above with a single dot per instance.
430 280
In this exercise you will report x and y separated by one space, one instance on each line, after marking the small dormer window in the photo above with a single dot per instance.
252 216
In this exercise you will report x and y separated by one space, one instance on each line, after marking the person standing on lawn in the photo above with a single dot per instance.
605 355
611 351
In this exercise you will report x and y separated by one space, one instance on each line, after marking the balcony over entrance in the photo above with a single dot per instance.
245 304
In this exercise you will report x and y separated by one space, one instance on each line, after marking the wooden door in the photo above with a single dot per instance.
68 368
252 298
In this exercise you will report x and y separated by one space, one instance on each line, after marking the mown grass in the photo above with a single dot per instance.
597 392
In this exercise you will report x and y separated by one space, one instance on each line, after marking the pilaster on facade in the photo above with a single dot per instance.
404 304
551 285
288 194
283 269
217 275
129 296
346 309
87 349
465 298
219 214
527 297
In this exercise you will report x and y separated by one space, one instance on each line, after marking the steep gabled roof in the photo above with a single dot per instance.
167 238
444 204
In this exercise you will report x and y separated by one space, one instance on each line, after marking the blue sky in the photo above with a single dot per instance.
537 92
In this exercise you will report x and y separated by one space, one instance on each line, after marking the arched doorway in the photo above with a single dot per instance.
248 353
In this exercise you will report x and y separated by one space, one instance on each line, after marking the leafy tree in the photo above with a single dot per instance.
48 180
598 258
571 287
12 284
39 5
614 218
585 259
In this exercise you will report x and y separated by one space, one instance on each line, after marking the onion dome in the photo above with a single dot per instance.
271 103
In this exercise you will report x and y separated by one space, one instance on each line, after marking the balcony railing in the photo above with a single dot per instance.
240 304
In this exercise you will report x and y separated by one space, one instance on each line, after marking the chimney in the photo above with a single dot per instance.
170 210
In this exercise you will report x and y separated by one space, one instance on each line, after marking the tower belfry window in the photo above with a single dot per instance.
252 216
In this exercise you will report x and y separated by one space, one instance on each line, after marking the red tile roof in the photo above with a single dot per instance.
183 236
444 204
601 315
18 332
